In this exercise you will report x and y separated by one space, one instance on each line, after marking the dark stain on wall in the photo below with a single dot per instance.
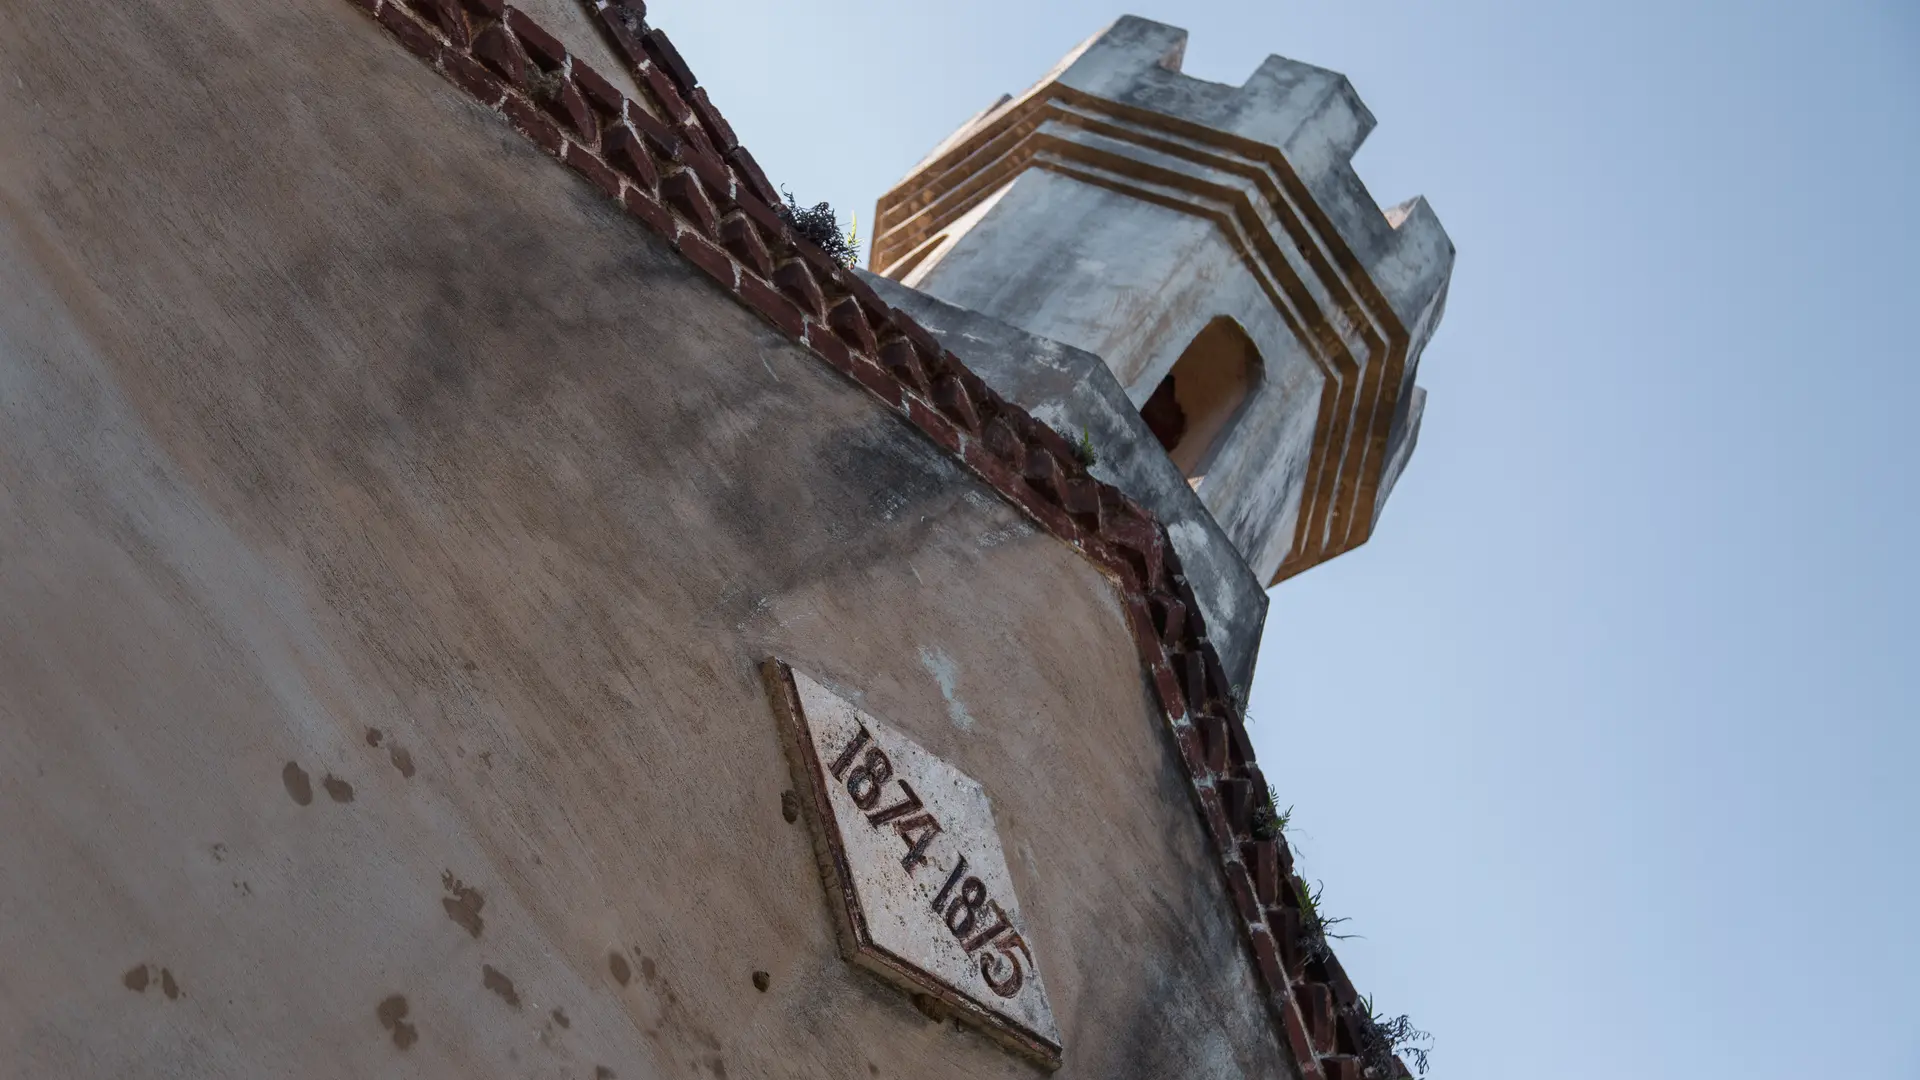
463 903
496 980
392 1014
298 785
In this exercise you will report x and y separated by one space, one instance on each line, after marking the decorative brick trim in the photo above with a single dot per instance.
691 182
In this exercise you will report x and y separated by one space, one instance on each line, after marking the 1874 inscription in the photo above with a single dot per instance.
910 852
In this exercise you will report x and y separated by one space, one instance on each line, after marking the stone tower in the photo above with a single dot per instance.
1211 244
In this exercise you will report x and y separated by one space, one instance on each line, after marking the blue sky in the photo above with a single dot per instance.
1607 741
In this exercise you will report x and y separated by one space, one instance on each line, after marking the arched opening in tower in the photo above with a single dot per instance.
1195 407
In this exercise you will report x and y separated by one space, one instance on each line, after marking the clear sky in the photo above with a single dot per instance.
1607 742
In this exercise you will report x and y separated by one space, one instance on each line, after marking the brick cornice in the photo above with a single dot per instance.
673 162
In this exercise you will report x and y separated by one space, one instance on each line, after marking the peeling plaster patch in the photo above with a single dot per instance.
1000 536
1054 416
946 673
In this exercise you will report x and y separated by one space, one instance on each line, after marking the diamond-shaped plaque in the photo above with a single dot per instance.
913 866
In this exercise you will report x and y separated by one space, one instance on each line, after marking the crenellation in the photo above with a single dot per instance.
1122 207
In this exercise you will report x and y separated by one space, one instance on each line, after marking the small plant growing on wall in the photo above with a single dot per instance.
1384 1039
1083 450
1316 926
1269 823
820 226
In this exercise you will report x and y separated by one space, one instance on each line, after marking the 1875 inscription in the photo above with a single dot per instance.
910 851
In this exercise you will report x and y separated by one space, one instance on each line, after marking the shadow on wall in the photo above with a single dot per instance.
1196 406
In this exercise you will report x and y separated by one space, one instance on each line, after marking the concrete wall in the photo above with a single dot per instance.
1119 206
1135 283
389 534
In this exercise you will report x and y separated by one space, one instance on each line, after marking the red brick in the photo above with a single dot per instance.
846 320
661 51
762 215
1242 889
474 78
823 264
767 301
797 282
1000 438
1316 1006
1043 473
706 256
952 397
1140 624
1238 741
598 172
724 139
1343 991
1236 796
648 209
501 52
1344 1067
937 427
1192 670
991 469
871 376
628 154
715 175
1267 958
1297 1040
1213 739
1217 679
752 177
406 26
664 93
1169 690
1051 518
901 358
1263 866
543 46
658 135
1054 442
1169 614
1081 498
623 22
1216 816
1285 924
741 238
1191 753
683 192
532 123
1262 796
570 107
601 94
921 337
448 16
822 341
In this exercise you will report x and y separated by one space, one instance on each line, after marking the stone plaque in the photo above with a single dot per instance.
913 867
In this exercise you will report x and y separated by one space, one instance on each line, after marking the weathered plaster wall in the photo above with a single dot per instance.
389 532
1134 283
1073 390
1119 206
